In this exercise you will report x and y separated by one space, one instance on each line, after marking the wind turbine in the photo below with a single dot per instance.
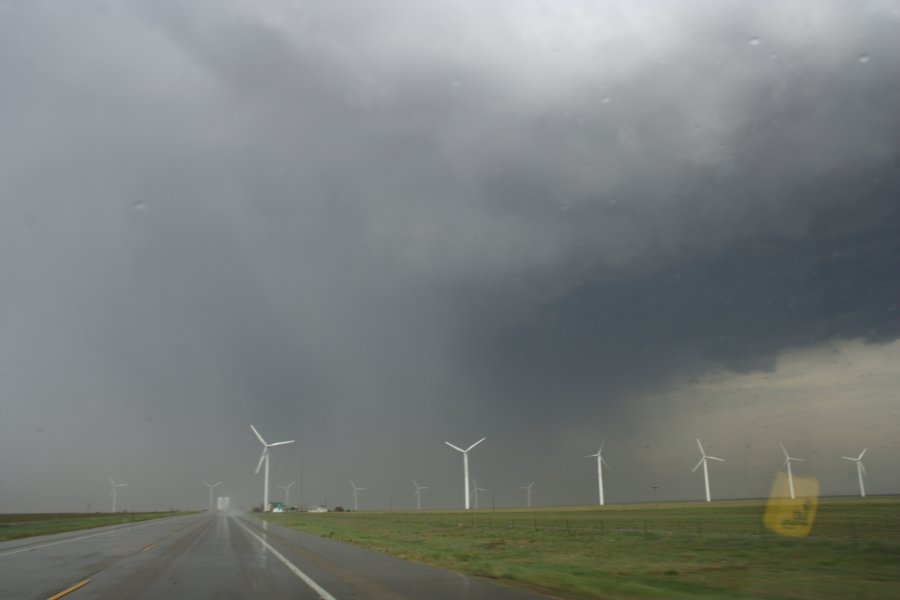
356 491
787 462
600 464
703 461
114 492
860 470
527 489
465 454
211 486
419 489
264 458
475 490
287 493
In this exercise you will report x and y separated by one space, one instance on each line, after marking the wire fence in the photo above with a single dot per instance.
695 526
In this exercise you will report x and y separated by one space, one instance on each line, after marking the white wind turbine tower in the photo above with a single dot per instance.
787 462
419 489
600 464
465 454
287 493
114 492
527 489
860 470
264 458
211 486
475 490
704 457
356 491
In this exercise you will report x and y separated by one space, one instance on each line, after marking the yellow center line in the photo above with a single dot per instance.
150 547
70 589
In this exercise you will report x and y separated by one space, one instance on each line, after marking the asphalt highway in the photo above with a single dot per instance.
222 557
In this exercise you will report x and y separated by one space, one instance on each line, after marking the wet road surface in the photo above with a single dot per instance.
222 557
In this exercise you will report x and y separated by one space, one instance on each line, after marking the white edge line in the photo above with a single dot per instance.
303 576
79 537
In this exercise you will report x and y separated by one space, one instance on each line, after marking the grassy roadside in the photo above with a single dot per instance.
17 526
671 551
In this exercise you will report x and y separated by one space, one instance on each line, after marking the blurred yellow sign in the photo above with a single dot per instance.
785 516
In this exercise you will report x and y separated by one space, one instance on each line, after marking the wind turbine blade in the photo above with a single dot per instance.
714 458
699 445
786 455
215 484
111 492
601 446
206 484
261 459
698 465
455 447
849 458
291 484
861 454
280 443
862 468
800 459
475 444
121 484
595 455
603 460
111 480
261 440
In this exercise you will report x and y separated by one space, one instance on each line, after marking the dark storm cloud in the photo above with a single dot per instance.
371 227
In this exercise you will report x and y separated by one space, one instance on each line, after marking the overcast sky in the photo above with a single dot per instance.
375 226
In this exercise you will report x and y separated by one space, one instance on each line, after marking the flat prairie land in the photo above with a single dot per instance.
16 526
688 550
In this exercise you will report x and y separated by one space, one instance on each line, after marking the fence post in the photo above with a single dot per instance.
535 524
645 529
567 526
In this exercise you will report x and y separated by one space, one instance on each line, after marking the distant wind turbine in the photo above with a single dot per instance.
475 490
465 454
114 492
703 461
287 493
418 494
600 464
860 470
211 486
527 489
787 462
356 491
264 458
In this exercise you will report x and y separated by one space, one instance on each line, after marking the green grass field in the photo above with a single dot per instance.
16 526
688 550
